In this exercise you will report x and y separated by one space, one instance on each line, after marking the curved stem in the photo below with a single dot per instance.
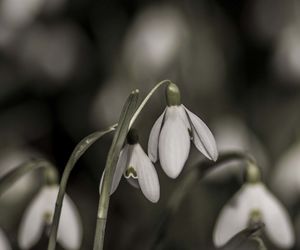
146 99
79 150
11 177
186 184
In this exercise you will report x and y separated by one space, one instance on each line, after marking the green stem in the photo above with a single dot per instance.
144 102
11 177
77 153
260 243
112 158
186 184
79 150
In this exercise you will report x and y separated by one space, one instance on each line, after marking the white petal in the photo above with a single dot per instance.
4 243
32 222
278 223
183 115
233 217
70 229
153 138
203 138
174 143
120 168
147 175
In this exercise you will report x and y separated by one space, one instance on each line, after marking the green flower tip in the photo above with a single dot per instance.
255 217
253 174
132 136
51 176
173 95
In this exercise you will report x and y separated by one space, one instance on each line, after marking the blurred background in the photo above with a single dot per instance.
66 68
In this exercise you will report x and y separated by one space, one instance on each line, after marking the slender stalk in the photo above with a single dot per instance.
77 153
11 177
186 184
79 150
260 243
103 206
146 99
118 141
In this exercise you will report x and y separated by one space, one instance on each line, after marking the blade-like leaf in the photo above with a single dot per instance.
79 150
112 158
237 241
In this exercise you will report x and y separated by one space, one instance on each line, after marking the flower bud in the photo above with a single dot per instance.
173 95
253 174
51 176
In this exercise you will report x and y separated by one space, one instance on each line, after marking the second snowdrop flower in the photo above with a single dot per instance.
251 204
137 169
40 213
171 134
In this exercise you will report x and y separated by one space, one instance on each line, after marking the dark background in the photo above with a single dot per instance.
67 67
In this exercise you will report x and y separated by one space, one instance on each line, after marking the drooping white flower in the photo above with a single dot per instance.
251 203
40 213
4 243
137 168
171 134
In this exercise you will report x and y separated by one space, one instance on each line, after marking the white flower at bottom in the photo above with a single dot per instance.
4 243
254 199
40 213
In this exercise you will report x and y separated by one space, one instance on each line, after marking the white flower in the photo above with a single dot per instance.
254 200
4 243
137 169
170 136
40 213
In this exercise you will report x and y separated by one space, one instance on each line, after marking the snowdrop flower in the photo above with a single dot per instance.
253 203
171 134
4 243
137 169
40 213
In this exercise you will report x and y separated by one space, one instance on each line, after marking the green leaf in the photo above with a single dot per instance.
112 158
79 150
243 237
